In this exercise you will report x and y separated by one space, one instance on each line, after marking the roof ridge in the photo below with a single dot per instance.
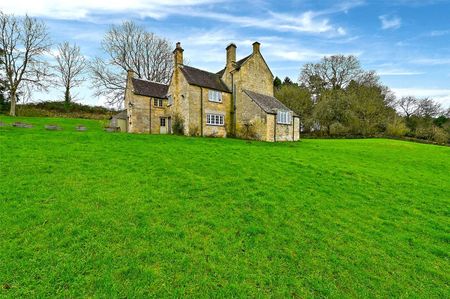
196 68
150 81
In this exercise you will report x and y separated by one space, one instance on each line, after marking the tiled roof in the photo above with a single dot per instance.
150 89
120 115
267 103
203 78
220 73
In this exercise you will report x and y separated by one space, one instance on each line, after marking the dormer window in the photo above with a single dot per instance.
284 117
215 96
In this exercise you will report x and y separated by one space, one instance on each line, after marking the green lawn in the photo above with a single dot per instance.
96 214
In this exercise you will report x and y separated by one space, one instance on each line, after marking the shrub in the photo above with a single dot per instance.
439 135
424 132
249 129
194 130
338 129
178 124
396 128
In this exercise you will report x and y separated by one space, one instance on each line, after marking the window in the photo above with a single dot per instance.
170 102
215 96
214 119
158 102
162 122
284 117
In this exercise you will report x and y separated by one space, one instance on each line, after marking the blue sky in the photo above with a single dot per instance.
406 41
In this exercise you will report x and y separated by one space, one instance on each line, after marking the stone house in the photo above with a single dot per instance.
236 101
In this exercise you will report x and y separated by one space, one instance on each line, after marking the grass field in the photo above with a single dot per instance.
95 214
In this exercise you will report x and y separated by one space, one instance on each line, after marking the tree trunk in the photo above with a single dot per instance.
67 98
13 99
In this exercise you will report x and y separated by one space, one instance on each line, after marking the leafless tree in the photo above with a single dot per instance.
335 72
24 42
408 105
130 47
428 108
70 68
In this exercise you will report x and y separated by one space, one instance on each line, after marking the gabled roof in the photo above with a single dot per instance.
238 64
203 78
267 103
150 89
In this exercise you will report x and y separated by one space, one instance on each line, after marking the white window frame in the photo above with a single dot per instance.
169 100
214 96
284 117
158 102
215 119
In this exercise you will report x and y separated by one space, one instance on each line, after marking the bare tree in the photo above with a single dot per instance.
130 47
335 72
408 105
428 108
24 41
70 68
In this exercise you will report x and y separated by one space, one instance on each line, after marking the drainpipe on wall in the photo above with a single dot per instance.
293 127
201 111
233 95
150 117
275 128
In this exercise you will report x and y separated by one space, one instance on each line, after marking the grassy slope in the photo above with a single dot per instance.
98 214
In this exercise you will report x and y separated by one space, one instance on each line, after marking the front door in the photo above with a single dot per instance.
163 125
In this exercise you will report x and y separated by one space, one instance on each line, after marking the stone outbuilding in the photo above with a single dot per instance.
236 101
119 121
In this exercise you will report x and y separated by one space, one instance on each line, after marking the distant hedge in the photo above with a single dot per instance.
61 109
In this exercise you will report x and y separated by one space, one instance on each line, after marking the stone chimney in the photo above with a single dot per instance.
231 54
256 47
178 55
130 74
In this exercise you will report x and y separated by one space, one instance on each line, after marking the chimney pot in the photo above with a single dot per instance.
256 47
178 54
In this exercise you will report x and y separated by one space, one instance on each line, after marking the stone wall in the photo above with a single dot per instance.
138 113
296 128
288 132
251 120
256 76
156 114
199 106
179 90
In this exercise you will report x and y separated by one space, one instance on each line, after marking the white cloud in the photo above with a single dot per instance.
390 22
398 72
440 95
307 22
432 61
439 32
82 9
